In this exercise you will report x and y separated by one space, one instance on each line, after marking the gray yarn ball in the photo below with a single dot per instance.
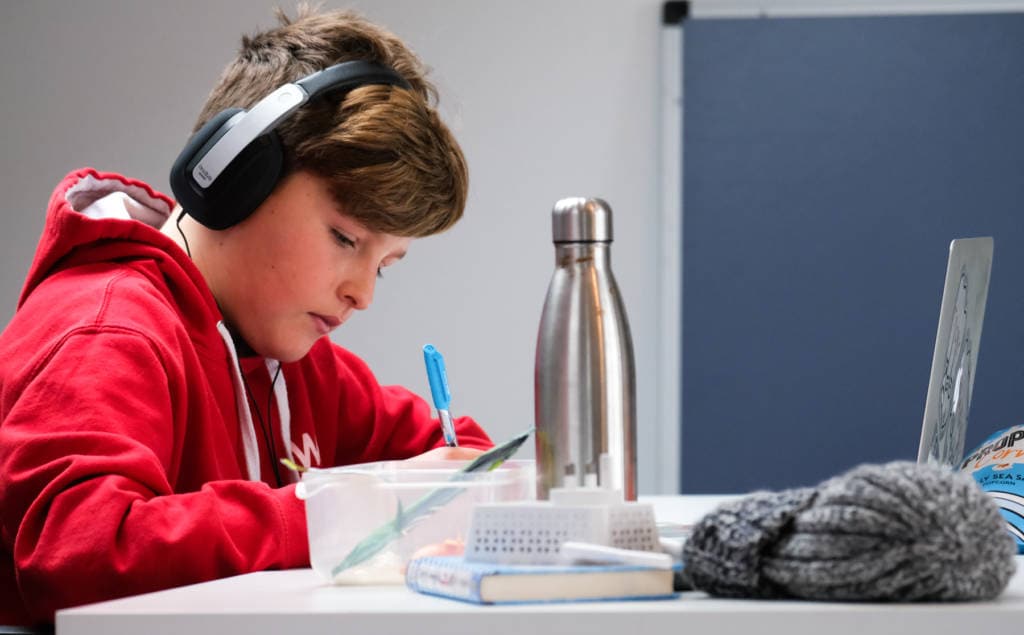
895 532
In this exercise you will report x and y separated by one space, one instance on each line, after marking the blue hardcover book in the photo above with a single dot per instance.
486 583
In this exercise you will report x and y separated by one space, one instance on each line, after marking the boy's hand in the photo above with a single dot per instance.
449 454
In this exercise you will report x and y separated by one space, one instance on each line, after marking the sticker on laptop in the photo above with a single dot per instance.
998 467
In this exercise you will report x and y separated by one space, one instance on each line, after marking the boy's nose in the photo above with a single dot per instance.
358 289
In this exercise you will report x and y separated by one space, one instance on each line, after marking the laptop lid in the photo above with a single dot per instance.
956 351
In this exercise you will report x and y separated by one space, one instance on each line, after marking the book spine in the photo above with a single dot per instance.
426 576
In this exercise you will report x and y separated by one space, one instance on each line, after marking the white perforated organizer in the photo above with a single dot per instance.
533 532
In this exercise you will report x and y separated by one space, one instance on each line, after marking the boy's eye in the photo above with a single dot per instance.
345 241
341 238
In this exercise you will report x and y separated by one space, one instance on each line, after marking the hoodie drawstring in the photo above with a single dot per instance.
252 452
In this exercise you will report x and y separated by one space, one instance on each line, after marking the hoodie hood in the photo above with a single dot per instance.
86 223
96 217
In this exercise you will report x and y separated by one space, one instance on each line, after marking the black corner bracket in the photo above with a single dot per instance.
674 12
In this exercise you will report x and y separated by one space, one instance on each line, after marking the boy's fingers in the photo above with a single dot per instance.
446 453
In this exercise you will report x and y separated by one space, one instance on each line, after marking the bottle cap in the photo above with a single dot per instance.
581 220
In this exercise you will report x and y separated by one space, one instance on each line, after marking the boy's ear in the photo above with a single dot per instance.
245 183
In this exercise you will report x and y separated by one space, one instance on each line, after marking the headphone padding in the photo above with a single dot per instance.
239 190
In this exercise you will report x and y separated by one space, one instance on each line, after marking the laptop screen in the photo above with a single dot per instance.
956 351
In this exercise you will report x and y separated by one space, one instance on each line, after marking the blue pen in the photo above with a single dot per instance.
438 379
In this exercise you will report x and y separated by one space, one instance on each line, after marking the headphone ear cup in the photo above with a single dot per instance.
245 183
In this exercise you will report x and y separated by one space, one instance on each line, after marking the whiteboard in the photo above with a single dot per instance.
826 163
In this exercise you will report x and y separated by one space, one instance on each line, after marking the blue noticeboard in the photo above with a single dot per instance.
827 163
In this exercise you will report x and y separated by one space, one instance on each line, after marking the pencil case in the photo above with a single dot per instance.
532 532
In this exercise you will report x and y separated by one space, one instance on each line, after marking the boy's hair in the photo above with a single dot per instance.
389 160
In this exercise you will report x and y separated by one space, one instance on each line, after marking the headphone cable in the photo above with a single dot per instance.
265 427
183 237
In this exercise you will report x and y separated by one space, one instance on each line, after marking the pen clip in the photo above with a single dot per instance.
437 377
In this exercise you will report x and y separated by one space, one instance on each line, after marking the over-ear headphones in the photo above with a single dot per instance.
234 161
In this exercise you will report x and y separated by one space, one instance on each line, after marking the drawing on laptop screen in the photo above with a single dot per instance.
955 398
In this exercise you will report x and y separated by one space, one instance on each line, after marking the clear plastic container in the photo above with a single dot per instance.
367 521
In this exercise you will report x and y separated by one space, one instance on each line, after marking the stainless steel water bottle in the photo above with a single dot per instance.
584 377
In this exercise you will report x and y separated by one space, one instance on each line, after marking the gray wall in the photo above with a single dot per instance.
549 99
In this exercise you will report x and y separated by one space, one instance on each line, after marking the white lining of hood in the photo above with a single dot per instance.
112 198
252 452
284 415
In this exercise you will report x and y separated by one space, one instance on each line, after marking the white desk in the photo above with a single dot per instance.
299 602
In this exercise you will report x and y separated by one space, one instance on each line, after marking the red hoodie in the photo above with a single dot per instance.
130 459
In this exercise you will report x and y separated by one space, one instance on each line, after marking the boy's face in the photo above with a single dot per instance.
296 268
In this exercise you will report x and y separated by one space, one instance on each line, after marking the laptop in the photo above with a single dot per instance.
956 351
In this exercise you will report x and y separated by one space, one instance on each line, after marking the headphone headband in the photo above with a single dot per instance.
234 161
269 111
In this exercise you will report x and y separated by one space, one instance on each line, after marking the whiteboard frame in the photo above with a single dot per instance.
835 8
668 402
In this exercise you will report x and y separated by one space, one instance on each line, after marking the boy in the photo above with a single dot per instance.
162 361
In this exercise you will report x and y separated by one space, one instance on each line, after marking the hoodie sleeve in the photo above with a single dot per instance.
89 470
390 422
